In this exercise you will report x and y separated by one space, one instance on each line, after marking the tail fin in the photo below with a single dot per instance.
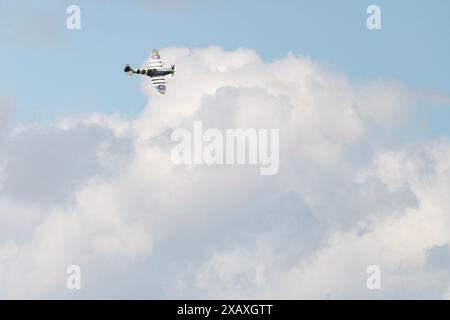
128 70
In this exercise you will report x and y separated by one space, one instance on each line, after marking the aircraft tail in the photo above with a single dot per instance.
128 70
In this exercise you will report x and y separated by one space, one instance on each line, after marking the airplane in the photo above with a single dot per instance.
155 70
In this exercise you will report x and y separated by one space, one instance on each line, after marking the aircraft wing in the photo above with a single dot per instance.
155 61
159 83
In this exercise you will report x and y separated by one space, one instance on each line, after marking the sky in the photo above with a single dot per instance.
86 176
52 64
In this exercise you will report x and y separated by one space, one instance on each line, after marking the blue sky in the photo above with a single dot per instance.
69 72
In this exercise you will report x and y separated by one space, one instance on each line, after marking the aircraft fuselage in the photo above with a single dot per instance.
155 72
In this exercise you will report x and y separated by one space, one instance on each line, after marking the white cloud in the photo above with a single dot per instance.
101 191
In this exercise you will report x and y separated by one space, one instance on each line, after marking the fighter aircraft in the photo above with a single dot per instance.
155 70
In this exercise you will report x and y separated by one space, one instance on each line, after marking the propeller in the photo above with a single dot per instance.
173 70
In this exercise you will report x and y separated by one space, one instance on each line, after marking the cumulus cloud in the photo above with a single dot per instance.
101 191
70 156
